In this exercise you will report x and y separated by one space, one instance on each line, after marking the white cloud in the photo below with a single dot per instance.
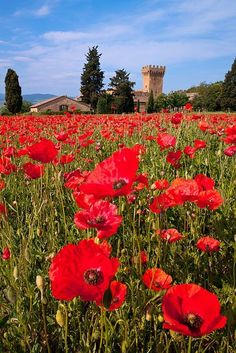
101 32
42 11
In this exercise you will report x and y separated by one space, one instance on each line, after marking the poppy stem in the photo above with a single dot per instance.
189 344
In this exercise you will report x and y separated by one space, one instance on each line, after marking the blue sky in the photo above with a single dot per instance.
45 41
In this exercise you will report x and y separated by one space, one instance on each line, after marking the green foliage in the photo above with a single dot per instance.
92 78
25 106
4 110
161 102
13 92
177 99
104 104
123 100
207 97
228 95
150 103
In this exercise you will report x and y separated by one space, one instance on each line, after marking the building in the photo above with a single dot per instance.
61 103
152 81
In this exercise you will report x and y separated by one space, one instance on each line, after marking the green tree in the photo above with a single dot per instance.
104 104
161 102
208 97
25 106
177 99
228 95
12 92
92 78
122 87
150 103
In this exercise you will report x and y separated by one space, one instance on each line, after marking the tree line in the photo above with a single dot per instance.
119 98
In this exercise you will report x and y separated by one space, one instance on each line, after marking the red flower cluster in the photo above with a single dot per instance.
84 270
199 190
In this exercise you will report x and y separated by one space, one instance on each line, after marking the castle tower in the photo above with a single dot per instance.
153 79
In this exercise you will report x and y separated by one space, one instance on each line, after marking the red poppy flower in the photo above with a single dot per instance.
83 270
3 209
211 199
84 200
2 184
204 182
198 144
188 106
230 151
118 293
173 158
101 215
208 244
114 176
176 118
190 151
43 151
156 279
160 184
6 254
191 310
171 235
61 136
166 140
6 166
162 203
75 178
142 258
66 158
33 171
182 190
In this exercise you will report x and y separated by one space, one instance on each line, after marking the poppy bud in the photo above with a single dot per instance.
15 272
149 311
40 284
60 318
10 295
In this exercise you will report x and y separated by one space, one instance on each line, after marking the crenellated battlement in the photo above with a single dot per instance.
153 69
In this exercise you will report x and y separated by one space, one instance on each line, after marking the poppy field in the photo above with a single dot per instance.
118 233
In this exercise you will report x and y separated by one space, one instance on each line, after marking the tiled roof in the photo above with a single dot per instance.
39 104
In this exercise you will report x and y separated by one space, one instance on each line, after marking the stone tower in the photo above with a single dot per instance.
153 79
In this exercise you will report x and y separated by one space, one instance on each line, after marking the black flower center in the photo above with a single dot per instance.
119 184
193 321
97 220
93 277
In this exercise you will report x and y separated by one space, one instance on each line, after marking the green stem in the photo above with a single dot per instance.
189 344
45 327
66 329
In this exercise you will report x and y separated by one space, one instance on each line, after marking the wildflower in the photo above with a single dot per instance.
156 279
84 270
101 215
208 244
191 310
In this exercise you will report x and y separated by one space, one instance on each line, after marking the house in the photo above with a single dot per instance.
61 103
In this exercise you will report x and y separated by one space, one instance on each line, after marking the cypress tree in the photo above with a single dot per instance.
123 92
228 95
13 96
150 103
92 78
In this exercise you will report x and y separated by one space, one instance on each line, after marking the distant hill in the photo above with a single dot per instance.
33 98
